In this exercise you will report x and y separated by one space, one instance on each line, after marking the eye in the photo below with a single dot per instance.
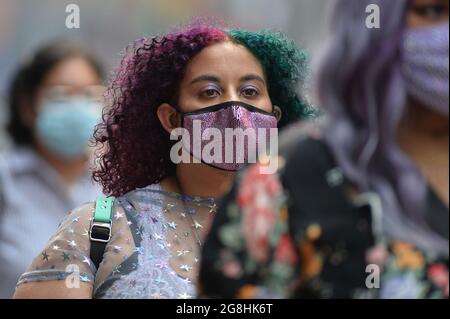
431 11
250 92
56 93
211 92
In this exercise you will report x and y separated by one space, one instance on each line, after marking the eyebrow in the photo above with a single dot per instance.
213 78
206 77
252 77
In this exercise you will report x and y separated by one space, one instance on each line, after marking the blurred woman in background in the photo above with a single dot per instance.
54 104
360 207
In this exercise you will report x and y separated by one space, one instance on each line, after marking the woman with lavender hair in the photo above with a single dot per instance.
161 210
360 207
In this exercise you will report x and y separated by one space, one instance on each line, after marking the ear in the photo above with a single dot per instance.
168 116
278 113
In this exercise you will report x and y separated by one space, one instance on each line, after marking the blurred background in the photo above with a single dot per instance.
106 27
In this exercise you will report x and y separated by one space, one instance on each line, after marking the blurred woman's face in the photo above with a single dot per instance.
223 72
425 54
423 13
66 109
73 77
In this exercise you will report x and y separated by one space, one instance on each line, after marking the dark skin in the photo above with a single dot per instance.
424 134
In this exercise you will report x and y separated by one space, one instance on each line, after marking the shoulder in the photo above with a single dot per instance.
18 159
79 220
305 153
138 199
84 213
301 139
81 215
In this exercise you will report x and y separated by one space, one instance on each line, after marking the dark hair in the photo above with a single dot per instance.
137 148
30 75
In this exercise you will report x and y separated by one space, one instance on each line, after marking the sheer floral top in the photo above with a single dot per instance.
153 252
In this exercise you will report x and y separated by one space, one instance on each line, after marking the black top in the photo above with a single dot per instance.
314 242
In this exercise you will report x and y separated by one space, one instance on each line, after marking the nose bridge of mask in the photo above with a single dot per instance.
237 110
231 118
235 105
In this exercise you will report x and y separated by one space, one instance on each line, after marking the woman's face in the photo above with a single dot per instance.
423 13
223 72
72 77
66 103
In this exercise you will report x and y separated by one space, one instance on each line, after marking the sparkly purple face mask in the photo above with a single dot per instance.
425 65
228 135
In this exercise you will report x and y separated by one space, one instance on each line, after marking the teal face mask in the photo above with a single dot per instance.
65 127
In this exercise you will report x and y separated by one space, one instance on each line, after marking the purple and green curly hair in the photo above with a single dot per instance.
137 147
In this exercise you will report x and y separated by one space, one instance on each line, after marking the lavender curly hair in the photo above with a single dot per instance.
136 147
361 87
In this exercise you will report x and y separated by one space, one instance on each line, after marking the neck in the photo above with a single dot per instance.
199 180
423 135
422 122
68 170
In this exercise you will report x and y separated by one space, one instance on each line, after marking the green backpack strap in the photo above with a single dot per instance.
100 230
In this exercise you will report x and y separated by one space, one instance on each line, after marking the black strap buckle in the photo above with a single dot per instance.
100 232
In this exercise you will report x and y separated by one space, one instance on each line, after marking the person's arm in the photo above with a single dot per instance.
63 269
55 289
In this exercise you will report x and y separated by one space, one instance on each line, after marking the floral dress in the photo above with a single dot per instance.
153 253
273 238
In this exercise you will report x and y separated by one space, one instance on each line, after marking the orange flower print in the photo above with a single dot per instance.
410 259
311 263
406 256
283 217
400 247
246 292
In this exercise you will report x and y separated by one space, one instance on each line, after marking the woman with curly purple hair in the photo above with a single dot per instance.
162 209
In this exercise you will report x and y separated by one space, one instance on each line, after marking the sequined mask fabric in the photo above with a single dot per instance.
225 117
425 65
153 253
